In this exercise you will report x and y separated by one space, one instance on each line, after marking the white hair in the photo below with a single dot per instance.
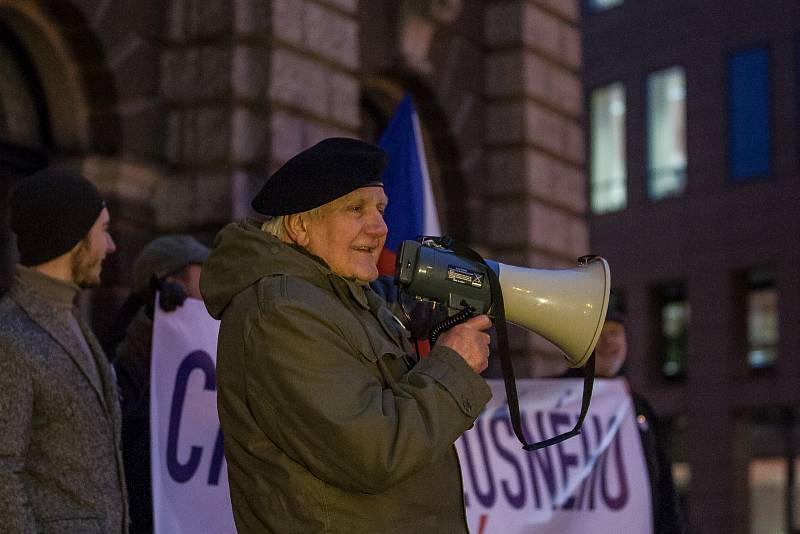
275 225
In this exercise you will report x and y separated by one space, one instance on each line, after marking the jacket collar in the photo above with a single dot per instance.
345 286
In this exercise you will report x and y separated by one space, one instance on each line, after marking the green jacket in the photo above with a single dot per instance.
330 424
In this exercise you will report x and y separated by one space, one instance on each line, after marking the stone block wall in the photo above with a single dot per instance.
536 196
295 82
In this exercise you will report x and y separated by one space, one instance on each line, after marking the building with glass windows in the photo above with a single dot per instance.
693 141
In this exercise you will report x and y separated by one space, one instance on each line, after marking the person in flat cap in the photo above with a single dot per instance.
611 353
170 267
60 463
330 423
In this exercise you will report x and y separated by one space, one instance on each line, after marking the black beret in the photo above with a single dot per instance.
51 212
326 171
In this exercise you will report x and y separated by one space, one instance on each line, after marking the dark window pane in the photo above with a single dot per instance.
673 324
762 319
748 93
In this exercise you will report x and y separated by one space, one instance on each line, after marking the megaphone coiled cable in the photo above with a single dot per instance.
467 312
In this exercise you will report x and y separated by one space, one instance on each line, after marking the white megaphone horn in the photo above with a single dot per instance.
565 306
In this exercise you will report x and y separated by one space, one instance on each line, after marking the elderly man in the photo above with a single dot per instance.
60 464
330 423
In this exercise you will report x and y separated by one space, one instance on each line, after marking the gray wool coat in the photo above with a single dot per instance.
60 463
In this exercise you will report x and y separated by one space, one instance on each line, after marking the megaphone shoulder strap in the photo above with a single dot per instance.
509 379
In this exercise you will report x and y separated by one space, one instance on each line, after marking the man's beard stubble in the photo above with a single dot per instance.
84 267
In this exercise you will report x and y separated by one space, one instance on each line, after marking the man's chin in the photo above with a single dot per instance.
87 279
367 276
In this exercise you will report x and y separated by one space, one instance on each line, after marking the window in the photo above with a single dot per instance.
675 431
774 465
672 316
762 319
666 133
608 169
602 5
748 108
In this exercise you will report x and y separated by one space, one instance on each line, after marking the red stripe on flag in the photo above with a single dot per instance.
386 262
424 347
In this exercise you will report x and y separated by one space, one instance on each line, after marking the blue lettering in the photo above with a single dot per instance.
216 461
517 500
558 420
182 472
487 497
619 501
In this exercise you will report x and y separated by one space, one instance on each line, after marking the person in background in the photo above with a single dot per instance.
60 464
611 353
170 266
329 421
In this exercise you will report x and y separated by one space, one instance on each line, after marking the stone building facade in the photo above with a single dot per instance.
179 109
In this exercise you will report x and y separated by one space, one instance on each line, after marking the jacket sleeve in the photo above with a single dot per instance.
16 414
324 405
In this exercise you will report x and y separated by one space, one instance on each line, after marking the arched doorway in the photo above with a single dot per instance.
25 135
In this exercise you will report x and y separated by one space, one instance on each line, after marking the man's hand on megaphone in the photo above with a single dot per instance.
470 341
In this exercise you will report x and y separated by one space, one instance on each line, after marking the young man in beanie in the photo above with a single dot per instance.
330 423
171 266
60 463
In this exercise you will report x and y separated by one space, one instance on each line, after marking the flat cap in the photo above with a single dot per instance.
163 256
326 171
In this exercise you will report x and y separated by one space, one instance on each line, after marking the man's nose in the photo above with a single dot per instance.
376 225
111 245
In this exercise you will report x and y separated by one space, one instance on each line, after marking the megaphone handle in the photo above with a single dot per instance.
467 312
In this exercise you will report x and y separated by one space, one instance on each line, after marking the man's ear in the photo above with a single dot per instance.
296 228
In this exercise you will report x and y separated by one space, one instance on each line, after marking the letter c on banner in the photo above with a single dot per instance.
195 360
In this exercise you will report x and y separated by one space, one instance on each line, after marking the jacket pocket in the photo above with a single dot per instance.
393 361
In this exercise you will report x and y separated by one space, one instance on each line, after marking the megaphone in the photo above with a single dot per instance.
565 306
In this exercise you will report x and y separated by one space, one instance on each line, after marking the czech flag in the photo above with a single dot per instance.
411 210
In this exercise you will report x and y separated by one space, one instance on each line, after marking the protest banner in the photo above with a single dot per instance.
190 481
594 482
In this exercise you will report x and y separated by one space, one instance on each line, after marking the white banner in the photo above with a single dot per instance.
190 479
594 482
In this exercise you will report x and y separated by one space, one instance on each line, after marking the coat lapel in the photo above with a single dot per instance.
104 368
43 313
